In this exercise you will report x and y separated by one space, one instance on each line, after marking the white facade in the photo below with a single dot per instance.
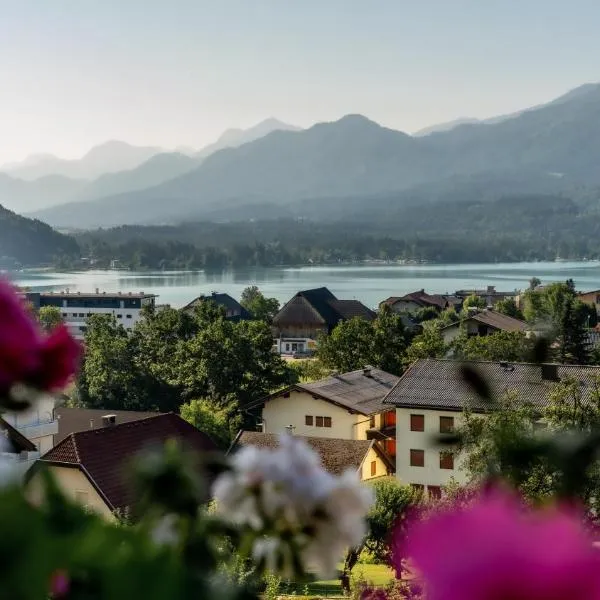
76 308
38 423
430 475
289 345
298 409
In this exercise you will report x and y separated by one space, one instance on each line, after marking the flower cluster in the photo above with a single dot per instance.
498 549
297 516
29 359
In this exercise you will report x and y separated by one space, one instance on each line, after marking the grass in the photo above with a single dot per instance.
377 575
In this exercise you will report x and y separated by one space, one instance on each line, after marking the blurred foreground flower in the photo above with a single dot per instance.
29 358
298 517
496 549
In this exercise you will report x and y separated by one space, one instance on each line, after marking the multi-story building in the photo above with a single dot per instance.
77 307
430 399
347 406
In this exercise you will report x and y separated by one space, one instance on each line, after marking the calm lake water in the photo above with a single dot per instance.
370 284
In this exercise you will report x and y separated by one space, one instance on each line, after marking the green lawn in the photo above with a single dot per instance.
374 574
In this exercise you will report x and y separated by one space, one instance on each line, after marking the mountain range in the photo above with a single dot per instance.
353 161
44 180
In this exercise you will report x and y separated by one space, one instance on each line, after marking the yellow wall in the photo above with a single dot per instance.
280 412
71 481
381 467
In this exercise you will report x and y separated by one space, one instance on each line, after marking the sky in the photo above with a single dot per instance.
75 73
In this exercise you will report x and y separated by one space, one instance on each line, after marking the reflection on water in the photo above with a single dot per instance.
371 284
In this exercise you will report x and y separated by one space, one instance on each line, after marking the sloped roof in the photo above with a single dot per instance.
336 455
438 384
18 441
71 420
320 306
224 300
420 297
494 319
104 454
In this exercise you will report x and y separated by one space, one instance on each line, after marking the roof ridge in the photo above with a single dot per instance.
100 430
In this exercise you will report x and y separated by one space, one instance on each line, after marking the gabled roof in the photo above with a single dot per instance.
494 319
437 383
103 455
336 455
320 306
71 420
360 391
420 297
224 300
17 440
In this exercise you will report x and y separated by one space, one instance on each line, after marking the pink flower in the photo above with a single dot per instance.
495 549
59 584
26 354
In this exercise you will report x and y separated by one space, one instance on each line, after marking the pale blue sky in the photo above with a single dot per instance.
74 73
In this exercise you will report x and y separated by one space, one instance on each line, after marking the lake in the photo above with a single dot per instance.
367 283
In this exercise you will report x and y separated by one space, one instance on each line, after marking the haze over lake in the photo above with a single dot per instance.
370 284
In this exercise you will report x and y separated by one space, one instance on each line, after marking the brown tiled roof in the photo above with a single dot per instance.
337 456
437 383
493 319
18 441
320 307
104 454
71 420
420 297
361 392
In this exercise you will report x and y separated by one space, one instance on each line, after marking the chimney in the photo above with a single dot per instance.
91 423
97 291
109 420
367 370
550 372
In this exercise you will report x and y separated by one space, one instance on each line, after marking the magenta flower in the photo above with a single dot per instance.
59 584
29 356
496 549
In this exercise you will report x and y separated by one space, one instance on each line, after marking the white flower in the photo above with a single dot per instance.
291 504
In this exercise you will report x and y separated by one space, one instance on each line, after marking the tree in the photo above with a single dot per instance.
220 423
355 343
428 344
534 282
473 301
263 309
308 370
426 314
50 317
508 306
512 346
392 501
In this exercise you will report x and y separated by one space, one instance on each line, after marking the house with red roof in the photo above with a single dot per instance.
92 466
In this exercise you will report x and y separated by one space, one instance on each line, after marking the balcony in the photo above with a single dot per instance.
38 429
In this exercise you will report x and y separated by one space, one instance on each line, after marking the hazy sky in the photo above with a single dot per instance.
74 73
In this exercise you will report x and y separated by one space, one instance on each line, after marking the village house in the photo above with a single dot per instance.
337 455
16 449
592 298
489 294
343 406
415 301
430 399
91 467
482 322
234 311
309 314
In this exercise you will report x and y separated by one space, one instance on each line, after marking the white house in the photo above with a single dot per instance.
77 307
347 406
481 323
430 399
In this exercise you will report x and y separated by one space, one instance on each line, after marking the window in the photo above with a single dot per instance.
287 347
417 422
81 315
89 314
319 421
389 418
128 316
446 460
390 447
119 316
326 421
81 497
435 492
417 458
446 424
64 315
308 420
373 468
75 315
